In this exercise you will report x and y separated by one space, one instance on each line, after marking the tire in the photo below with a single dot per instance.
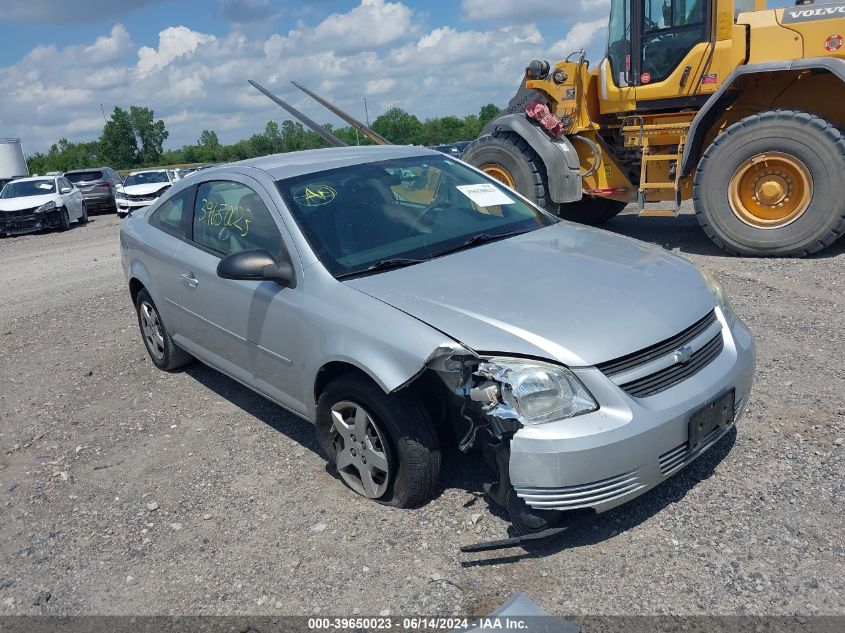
408 441
166 355
83 219
816 148
64 219
510 151
592 211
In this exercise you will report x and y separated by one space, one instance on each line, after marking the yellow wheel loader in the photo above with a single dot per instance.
724 102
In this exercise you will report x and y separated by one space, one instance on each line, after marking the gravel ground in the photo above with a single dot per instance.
125 490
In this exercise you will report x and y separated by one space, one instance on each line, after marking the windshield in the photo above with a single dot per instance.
359 218
146 178
20 189
77 177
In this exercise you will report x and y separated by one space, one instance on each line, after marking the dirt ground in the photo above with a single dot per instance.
125 490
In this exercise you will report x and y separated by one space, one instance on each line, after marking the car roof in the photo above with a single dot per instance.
74 171
291 164
34 178
149 171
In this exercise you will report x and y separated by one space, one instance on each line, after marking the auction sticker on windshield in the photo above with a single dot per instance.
485 195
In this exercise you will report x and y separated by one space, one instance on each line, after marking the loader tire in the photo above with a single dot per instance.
592 211
771 185
508 158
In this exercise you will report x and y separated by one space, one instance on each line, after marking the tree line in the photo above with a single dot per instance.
134 139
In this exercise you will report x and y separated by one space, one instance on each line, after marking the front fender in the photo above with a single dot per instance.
563 166
728 93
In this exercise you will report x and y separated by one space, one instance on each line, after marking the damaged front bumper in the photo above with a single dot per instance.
604 459
28 221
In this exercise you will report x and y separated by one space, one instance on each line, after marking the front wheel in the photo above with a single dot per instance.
508 158
384 446
771 185
64 219
83 219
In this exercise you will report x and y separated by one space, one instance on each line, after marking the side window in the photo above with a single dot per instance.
64 184
168 217
670 30
230 217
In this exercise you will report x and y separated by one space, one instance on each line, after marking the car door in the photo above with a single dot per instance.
244 328
73 198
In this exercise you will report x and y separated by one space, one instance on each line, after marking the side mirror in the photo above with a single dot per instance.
256 265
65 190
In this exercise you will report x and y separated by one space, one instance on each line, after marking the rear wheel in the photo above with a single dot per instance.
506 157
384 446
162 350
771 185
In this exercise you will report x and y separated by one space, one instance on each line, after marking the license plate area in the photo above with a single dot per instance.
718 413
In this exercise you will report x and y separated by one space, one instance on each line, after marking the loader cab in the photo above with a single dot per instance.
664 49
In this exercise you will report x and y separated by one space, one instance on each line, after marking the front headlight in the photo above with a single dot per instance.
534 392
47 206
720 295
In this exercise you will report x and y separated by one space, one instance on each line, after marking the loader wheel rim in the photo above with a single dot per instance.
771 190
501 174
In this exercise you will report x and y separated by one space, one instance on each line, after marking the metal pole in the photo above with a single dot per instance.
366 112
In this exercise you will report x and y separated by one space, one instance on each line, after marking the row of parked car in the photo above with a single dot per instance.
55 200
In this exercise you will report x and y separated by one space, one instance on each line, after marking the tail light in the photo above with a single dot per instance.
103 185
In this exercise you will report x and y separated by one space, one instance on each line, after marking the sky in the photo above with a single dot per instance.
189 60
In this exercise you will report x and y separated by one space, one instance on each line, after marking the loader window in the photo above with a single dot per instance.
670 30
619 41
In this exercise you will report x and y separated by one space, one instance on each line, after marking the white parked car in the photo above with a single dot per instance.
33 204
142 188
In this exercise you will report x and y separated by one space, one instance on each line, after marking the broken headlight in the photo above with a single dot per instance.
46 207
531 391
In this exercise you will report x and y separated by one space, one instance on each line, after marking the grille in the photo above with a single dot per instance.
666 378
147 198
581 496
631 361
23 213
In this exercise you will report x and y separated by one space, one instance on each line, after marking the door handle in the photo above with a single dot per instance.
189 279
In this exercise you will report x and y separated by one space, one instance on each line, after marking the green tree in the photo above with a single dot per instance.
487 114
274 136
399 127
209 140
150 134
118 144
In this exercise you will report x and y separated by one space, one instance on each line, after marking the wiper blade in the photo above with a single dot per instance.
384 264
475 240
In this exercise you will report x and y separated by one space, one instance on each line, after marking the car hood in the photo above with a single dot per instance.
570 293
145 190
28 202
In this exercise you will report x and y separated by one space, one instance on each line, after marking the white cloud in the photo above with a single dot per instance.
370 25
580 37
533 10
193 80
174 42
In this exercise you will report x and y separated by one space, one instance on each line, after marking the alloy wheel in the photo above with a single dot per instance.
152 330
361 450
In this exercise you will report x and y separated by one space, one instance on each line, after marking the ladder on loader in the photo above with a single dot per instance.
662 146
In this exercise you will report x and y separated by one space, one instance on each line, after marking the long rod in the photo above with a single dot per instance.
374 136
315 127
